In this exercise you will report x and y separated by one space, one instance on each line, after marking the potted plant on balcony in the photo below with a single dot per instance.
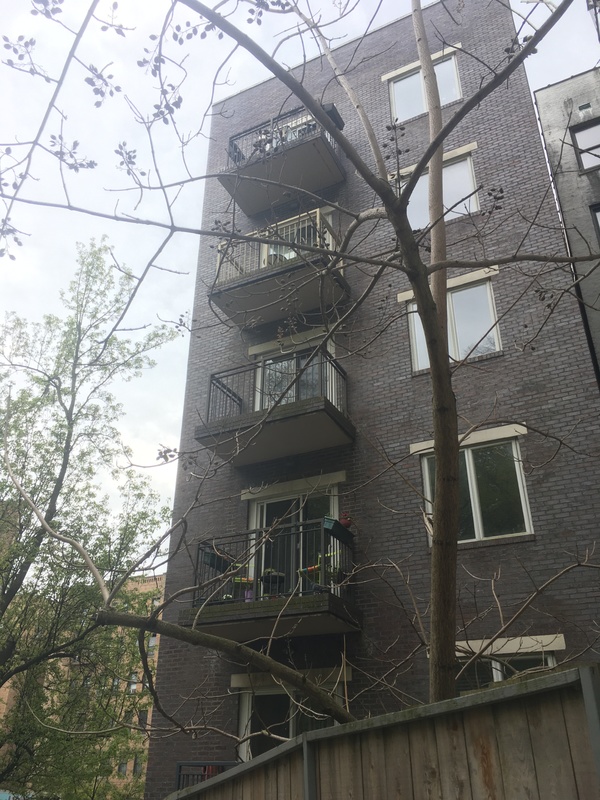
272 581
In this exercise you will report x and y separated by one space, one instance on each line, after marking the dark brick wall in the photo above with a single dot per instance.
542 377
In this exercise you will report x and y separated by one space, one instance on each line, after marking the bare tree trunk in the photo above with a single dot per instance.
442 639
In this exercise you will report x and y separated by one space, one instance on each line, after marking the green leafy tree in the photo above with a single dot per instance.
66 679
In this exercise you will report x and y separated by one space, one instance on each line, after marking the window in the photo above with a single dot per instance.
122 769
408 91
493 500
460 193
472 329
138 766
270 719
504 658
488 670
586 139
596 217
133 680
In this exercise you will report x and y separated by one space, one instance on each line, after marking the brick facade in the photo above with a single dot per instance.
542 377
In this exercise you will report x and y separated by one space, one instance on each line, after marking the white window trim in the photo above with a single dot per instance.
250 684
467 444
477 276
325 484
475 437
451 155
415 66
453 321
516 645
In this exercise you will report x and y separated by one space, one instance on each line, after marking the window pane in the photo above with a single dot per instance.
447 78
270 713
588 142
498 490
420 357
408 97
469 320
476 676
466 525
472 322
458 188
310 384
418 205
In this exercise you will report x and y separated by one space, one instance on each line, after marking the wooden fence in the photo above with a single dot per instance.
535 739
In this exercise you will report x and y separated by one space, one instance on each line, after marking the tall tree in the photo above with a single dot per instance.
60 437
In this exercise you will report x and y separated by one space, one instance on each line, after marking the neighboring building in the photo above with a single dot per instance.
111 689
353 433
570 118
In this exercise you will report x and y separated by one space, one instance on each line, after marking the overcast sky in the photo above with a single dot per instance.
30 284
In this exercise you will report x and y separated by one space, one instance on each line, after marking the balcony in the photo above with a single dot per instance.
292 150
289 580
279 407
259 282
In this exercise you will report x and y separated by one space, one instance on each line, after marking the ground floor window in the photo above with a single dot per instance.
505 658
267 719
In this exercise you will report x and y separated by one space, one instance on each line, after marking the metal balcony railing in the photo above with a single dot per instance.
274 136
257 387
292 559
191 773
238 259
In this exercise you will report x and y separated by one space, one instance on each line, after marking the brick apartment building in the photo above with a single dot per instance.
352 437
569 114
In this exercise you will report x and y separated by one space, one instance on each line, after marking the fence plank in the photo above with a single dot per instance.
271 781
340 769
373 762
296 772
397 764
551 747
424 761
483 756
516 755
452 755
586 774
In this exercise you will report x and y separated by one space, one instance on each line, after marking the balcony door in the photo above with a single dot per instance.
274 376
310 230
292 543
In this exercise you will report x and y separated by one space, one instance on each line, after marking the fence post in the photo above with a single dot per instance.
309 768
590 688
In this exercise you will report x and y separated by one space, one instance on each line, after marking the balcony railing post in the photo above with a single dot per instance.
323 569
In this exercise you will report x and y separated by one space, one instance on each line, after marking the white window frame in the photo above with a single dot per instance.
592 152
249 684
504 649
410 70
468 446
459 154
416 329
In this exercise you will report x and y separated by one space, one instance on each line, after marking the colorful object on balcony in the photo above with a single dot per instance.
345 520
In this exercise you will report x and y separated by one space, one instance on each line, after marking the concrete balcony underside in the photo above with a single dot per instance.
309 164
270 294
306 615
303 426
